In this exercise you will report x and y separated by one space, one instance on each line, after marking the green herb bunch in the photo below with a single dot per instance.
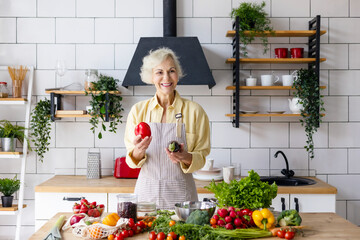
249 192
98 102
9 186
7 130
308 90
40 124
253 18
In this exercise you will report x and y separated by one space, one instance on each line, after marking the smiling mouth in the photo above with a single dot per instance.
166 84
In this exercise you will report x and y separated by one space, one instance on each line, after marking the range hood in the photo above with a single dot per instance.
188 49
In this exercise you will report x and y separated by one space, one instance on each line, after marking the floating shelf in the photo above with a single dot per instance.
72 115
288 33
274 60
11 154
78 92
10 210
267 115
13 101
265 87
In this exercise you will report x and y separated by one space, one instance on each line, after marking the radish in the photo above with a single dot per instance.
229 226
222 212
228 219
232 214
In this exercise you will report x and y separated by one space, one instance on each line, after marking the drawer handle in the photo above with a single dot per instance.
74 199
283 204
296 200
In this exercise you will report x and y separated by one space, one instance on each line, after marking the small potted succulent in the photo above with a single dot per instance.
8 187
9 133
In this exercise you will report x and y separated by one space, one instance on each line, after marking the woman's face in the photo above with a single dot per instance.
165 77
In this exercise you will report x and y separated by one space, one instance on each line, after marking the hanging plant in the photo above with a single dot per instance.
253 18
308 90
40 124
98 102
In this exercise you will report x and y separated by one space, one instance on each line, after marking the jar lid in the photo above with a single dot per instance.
3 83
146 206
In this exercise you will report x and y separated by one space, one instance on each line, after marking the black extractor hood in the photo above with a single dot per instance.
188 49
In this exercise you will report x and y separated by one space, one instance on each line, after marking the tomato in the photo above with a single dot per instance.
213 221
124 234
182 237
149 224
141 224
169 238
280 233
172 235
111 237
160 236
289 235
119 237
131 223
172 223
152 236
130 233
143 129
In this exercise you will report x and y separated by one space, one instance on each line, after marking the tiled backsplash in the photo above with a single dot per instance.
103 34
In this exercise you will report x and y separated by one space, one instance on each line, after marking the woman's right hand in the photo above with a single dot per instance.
140 147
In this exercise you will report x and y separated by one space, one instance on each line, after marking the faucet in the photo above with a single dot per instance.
288 173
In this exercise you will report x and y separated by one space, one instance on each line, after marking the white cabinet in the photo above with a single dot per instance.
48 204
305 202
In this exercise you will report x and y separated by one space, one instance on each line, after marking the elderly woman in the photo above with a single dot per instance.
165 177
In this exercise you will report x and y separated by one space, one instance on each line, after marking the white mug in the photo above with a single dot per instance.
288 80
228 173
268 80
251 81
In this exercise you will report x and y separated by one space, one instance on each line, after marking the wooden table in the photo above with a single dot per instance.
320 226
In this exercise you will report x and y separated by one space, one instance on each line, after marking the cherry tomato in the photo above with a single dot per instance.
172 235
141 224
213 221
119 237
111 237
130 233
152 236
124 234
280 233
289 235
160 236
149 224
143 129
182 237
172 223
169 238
131 223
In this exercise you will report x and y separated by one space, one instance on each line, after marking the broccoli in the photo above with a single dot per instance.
289 218
198 217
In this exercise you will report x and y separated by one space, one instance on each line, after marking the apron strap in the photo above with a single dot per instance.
178 117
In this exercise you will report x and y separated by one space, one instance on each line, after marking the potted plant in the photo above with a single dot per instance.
308 90
9 133
8 187
253 18
98 103
40 124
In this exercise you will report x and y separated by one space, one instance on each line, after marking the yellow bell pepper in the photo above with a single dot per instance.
264 219
111 219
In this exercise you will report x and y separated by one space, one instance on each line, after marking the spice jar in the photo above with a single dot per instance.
127 205
4 92
145 209
91 76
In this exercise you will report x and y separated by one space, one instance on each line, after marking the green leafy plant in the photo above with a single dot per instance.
98 103
253 18
9 186
7 130
41 127
249 192
308 90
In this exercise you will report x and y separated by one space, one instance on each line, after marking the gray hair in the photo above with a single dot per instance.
153 59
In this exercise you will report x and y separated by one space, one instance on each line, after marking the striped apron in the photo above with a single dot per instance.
160 180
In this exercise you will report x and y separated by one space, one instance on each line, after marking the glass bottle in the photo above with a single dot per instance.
91 76
4 92
127 205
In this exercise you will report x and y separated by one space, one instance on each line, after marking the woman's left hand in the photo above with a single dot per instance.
180 156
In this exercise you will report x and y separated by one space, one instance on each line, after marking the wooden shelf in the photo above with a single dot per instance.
13 101
11 154
13 208
265 88
267 115
78 92
274 60
72 115
288 33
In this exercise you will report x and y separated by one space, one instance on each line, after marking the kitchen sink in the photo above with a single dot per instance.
292 181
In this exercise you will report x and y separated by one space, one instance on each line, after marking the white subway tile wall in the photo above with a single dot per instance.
103 34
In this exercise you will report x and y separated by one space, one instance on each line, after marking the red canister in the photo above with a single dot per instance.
281 52
297 52
122 170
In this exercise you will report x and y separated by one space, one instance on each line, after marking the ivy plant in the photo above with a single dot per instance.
253 18
98 102
308 90
40 124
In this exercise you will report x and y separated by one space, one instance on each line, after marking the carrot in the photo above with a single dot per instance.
274 230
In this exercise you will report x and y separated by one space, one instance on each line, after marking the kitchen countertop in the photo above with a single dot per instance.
109 184
319 226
